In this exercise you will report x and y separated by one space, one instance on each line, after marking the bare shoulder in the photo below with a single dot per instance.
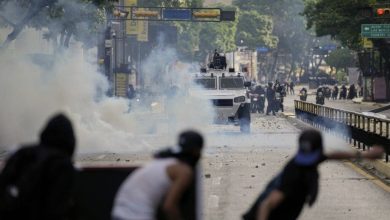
180 170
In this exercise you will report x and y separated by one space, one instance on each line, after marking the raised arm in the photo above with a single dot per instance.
375 152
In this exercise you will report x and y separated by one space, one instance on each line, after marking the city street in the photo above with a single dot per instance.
92 89
236 168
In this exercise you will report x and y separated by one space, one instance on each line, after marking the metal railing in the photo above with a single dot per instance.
358 129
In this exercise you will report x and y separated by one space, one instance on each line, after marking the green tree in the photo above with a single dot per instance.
341 59
254 29
188 40
63 19
198 39
340 19
294 41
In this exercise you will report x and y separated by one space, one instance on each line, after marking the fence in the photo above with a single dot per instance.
358 129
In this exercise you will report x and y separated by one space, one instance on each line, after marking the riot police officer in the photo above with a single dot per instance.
270 99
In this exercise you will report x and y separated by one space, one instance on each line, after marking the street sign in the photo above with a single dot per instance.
131 25
228 15
329 47
108 43
375 30
172 14
176 14
262 49
206 14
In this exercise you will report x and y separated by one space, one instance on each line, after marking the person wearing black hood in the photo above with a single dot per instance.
271 99
37 180
298 182
161 183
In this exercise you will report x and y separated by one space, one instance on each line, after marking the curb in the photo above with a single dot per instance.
379 167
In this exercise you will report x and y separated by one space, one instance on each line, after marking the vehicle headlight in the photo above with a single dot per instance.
239 99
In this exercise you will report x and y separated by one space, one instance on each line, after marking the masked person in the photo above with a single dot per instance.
298 182
162 183
37 180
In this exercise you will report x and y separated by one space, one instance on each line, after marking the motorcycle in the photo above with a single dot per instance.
278 102
303 95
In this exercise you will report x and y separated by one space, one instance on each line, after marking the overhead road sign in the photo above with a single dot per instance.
228 15
178 14
375 30
206 14
140 13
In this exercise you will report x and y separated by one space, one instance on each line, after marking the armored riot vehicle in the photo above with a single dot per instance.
226 90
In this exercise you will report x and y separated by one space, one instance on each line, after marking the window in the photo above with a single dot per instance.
207 83
232 83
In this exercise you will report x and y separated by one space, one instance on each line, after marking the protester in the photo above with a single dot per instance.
335 92
352 92
343 92
298 182
37 180
160 183
292 85
270 95
303 94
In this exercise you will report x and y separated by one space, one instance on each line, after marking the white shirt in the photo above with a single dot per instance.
141 193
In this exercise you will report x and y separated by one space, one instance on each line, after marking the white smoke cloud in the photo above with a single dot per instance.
30 93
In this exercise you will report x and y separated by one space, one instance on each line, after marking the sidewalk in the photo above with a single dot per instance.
348 105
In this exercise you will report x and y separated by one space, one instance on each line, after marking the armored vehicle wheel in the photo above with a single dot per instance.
244 117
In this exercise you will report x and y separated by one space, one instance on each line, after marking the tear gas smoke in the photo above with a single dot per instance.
30 93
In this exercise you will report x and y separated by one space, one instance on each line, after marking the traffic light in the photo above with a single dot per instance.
383 12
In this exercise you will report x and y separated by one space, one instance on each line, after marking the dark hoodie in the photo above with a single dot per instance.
43 175
188 141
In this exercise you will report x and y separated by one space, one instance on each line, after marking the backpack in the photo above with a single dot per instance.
251 214
22 183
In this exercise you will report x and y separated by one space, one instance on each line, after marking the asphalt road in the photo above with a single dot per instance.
236 172
236 168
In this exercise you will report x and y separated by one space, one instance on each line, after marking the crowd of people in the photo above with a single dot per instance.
37 180
345 93
274 93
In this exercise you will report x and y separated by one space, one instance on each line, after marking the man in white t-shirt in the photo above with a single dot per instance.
161 183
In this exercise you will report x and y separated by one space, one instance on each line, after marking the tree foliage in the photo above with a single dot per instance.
62 19
255 30
341 59
340 19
